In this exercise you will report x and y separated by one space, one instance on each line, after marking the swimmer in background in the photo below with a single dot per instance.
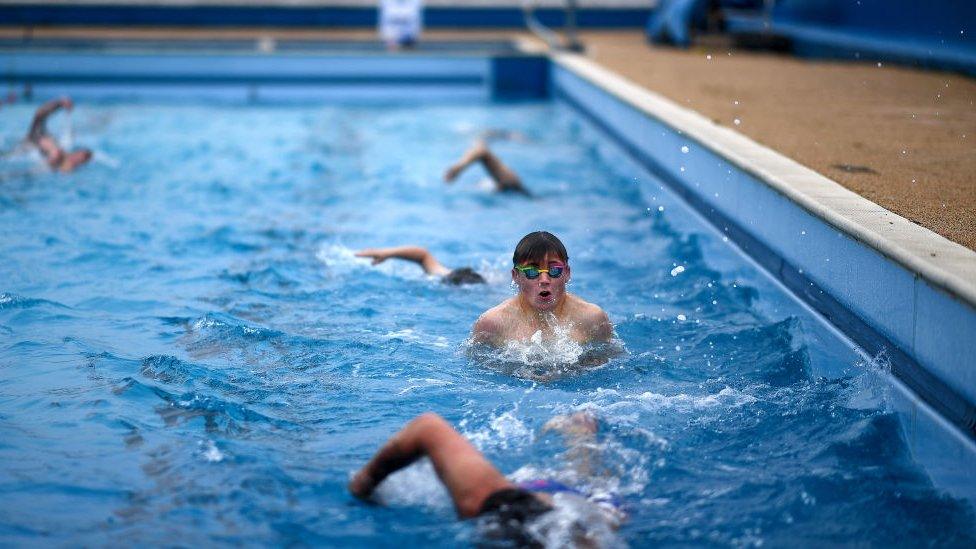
56 157
541 271
478 489
422 257
504 178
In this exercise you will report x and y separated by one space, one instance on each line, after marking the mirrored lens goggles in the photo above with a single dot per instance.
532 273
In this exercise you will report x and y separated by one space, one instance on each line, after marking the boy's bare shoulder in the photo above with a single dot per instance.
491 325
594 318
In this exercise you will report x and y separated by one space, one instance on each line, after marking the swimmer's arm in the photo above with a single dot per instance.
38 129
468 476
415 254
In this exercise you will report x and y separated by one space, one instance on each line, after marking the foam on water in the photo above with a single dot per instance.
545 357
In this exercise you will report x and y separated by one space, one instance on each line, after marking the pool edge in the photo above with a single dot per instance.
892 297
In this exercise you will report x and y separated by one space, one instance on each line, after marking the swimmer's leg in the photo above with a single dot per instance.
579 433
578 426
468 476
505 179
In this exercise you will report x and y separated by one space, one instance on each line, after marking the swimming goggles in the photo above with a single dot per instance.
532 273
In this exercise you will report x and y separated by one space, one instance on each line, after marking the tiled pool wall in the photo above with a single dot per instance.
926 333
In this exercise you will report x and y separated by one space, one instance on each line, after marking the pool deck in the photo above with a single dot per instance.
904 139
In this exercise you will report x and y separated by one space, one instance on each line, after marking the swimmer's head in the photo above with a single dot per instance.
464 275
542 288
534 247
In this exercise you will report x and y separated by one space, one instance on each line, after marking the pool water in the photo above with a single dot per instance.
191 354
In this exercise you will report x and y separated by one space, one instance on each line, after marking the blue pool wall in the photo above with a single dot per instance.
292 77
295 16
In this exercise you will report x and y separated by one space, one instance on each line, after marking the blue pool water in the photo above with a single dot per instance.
190 354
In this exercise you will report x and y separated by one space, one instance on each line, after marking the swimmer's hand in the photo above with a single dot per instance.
66 103
362 485
451 174
378 256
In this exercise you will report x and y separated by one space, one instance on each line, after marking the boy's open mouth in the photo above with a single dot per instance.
545 293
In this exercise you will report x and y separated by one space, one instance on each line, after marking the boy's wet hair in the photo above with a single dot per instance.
534 246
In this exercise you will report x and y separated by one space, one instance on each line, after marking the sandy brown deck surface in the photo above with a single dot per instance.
903 138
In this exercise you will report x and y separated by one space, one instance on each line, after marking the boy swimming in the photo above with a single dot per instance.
541 271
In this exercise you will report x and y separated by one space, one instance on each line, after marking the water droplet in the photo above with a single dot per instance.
709 57
803 232
682 168
714 302
735 102
736 121
682 317
879 63
684 149
677 347
677 270
660 208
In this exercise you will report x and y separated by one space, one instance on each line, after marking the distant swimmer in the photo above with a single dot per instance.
541 272
498 134
422 257
56 157
512 511
504 178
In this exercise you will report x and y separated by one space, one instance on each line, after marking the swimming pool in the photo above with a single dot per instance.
191 354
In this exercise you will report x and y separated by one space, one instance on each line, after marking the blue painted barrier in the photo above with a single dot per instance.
285 16
929 34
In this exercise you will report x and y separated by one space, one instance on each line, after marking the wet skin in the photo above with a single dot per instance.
542 304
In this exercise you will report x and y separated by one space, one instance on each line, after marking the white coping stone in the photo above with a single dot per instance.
953 268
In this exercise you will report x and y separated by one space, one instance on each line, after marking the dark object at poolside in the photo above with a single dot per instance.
464 275
851 168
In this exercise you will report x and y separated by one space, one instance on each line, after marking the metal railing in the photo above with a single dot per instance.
569 41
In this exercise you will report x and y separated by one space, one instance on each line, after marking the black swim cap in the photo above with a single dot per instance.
464 275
